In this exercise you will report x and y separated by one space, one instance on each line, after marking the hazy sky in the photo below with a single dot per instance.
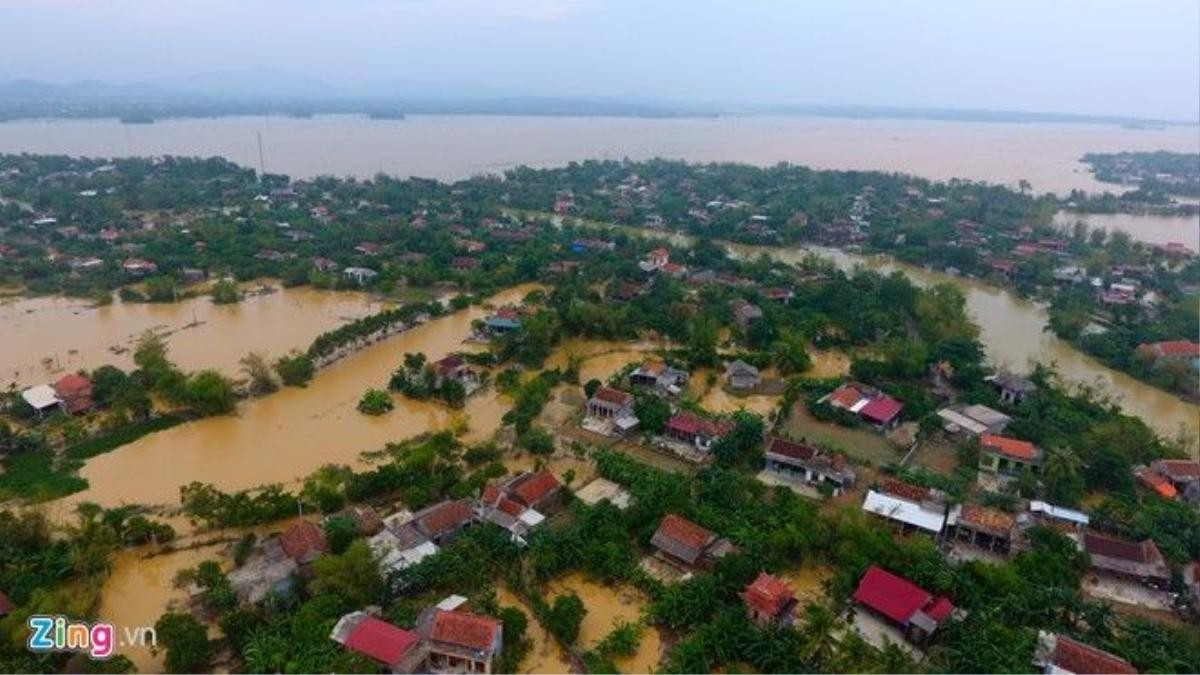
1130 57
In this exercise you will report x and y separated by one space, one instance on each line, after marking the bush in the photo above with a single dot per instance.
375 402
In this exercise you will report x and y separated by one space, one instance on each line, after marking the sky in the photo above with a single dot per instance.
1108 57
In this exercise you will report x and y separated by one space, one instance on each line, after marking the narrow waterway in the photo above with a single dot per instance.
1011 329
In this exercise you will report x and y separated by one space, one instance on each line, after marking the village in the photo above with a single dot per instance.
755 449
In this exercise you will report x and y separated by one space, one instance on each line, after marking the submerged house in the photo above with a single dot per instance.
769 600
741 376
657 374
75 392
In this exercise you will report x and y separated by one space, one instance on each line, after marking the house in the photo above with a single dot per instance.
75 392
440 522
268 569
609 403
657 374
769 600
464 263
981 526
780 296
1137 561
657 259
915 611
695 430
138 267
1012 388
871 405
685 543
453 367
741 376
1071 522
368 248
1182 474
458 641
360 275
745 313
1155 482
398 650
800 462
1007 456
1060 654
912 507
399 545
304 541
42 398
505 320
538 490
1175 351
972 421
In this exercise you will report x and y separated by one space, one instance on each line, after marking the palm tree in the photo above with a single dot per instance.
818 643
1060 471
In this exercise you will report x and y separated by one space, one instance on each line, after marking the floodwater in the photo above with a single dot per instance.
606 606
1012 331
1151 229
545 656
42 338
287 435
140 589
455 147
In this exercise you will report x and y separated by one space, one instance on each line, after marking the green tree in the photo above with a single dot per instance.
225 292
352 577
564 618
210 393
258 373
186 643
295 369
375 402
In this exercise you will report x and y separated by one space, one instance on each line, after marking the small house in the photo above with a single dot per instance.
741 376
916 612
1012 388
441 522
870 404
75 392
910 507
1007 456
690 428
1136 561
458 641
1060 654
769 601
657 374
972 421
453 367
981 526
1182 474
745 313
684 543
42 398
609 403
398 650
504 321
360 275
304 541
803 463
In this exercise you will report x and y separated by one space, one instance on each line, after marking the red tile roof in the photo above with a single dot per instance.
1011 447
72 384
782 446
882 409
380 640
846 396
1177 349
685 532
1077 657
302 539
767 594
904 490
1157 483
1145 552
465 629
691 424
614 396
445 517
1180 469
534 488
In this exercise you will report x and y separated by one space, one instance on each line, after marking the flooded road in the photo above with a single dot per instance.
42 338
457 147
287 435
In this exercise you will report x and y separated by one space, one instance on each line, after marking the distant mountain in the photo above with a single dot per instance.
32 90
251 83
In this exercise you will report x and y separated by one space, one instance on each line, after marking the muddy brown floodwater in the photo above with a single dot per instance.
289 434
42 338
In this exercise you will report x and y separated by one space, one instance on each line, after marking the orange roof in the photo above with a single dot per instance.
846 396
767 594
302 539
990 519
685 532
1008 446
465 629
1157 483
534 488
904 490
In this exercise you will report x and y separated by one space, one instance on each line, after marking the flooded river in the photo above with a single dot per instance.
454 147
1151 229
42 338
287 435
1011 329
